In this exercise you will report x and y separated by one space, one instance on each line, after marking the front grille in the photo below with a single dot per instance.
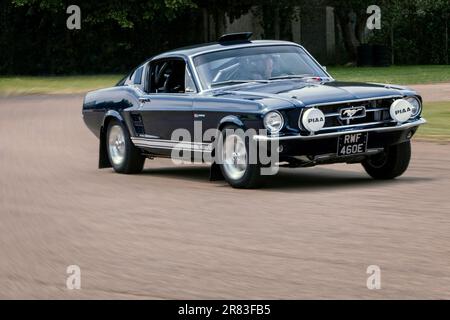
376 114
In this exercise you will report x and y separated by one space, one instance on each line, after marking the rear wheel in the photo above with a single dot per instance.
390 164
122 154
234 161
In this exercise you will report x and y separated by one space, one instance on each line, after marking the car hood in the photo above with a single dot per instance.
304 93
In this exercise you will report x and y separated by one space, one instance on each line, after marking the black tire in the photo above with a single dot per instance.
390 164
252 177
133 161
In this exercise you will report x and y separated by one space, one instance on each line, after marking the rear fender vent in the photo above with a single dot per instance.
138 124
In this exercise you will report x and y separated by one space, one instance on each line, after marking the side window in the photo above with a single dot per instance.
188 82
137 78
169 76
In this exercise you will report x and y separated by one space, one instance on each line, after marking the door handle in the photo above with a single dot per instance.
144 100
199 115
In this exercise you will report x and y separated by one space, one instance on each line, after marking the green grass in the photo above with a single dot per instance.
438 117
402 75
55 85
437 113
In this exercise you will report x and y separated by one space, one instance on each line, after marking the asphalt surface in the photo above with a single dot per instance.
171 233
433 92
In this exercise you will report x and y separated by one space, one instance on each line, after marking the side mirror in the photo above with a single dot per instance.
324 68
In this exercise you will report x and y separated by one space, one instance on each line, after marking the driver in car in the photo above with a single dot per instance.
267 64
257 68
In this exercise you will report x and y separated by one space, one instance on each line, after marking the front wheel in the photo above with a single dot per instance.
390 164
235 162
123 155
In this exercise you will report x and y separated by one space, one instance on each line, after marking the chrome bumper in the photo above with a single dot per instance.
399 127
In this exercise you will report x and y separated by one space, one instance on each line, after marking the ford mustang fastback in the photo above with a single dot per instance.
216 102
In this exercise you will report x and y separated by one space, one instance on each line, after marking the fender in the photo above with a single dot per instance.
112 114
103 160
231 119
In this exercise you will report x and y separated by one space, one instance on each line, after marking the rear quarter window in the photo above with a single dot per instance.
137 77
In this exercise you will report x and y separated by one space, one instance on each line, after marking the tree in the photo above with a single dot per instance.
416 30
123 13
220 10
351 16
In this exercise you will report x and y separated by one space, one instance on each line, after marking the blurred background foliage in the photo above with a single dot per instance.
117 35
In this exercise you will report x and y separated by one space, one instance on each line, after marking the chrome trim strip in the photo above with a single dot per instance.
327 156
251 44
358 125
351 101
171 144
190 61
337 114
377 109
336 134
148 138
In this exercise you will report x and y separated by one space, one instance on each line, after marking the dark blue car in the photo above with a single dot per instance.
219 102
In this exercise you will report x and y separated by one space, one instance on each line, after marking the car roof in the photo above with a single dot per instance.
216 46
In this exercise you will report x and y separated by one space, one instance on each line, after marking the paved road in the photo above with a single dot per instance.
170 233
433 92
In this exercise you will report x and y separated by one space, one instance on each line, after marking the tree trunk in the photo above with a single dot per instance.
220 21
392 43
350 42
276 22
206 31
446 39
360 28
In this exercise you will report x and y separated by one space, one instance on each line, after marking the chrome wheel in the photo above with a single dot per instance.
116 144
234 157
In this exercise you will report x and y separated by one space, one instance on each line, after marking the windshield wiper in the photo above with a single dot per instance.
293 76
231 82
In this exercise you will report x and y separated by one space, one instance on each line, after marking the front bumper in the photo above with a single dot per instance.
400 127
327 143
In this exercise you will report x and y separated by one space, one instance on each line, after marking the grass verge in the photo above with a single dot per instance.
437 113
402 75
55 85
438 126
11 85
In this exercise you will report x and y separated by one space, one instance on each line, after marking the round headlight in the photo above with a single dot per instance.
273 121
417 106
401 110
313 120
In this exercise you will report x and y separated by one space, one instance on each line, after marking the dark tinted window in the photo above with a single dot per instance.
138 76
167 76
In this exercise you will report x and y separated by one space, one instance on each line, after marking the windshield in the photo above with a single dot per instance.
255 64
